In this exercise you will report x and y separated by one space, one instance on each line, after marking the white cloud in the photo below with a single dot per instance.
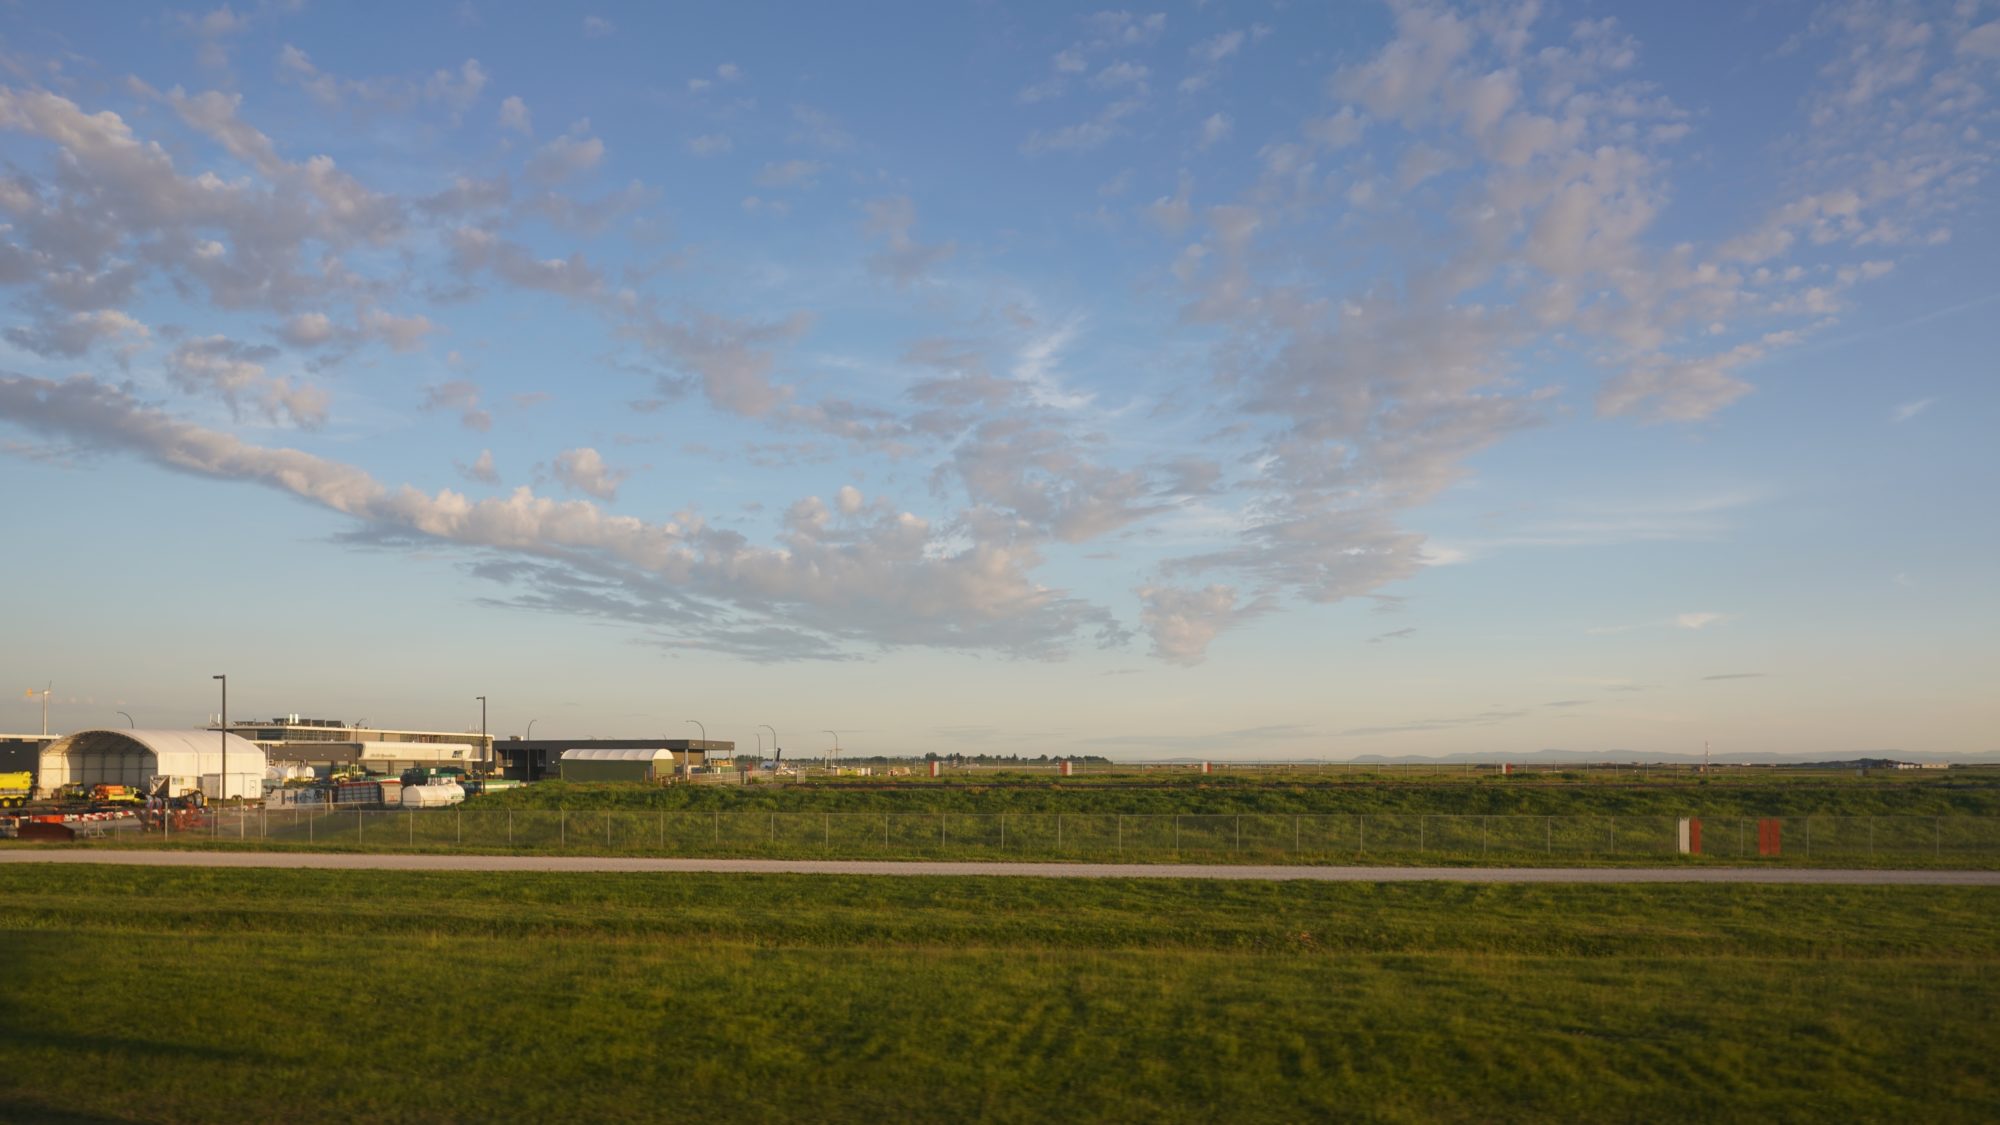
1699 620
481 469
790 173
235 373
462 396
710 144
514 115
596 27
583 470
1910 410
818 593
1215 129
568 156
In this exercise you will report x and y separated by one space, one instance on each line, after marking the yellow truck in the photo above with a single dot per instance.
16 788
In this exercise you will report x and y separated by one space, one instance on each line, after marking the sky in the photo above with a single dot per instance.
1251 381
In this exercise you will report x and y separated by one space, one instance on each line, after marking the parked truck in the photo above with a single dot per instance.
16 789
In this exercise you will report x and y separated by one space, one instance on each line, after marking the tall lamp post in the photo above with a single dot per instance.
836 748
128 721
777 751
485 744
527 754
225 738
687 760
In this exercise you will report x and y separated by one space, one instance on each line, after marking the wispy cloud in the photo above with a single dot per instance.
1910 410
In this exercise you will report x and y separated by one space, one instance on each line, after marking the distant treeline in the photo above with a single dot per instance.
846 759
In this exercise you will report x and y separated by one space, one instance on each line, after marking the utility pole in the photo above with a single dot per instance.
485 744
777 751
833 754
44 693
224 724
687 760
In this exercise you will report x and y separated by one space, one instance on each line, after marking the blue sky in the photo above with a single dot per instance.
1255 380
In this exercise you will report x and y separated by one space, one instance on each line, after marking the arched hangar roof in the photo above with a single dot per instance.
600 754
179 753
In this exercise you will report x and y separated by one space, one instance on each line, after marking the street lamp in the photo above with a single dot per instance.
128 720
777 751
836 747
687 760
225 738
485 744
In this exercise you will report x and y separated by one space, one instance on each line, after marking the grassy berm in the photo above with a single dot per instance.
148 995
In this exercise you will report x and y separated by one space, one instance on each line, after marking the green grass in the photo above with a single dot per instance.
1959 793
1310 838
306 996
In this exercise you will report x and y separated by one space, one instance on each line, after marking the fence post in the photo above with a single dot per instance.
1003 832
1420 833
562 828
410 818
1482 837
1611 838
1808 838
1364 836
461 826
718 828
825 831
1549 832
510 828
885 832
1295 832
607 829
1177 834
309 828
358 823
940 831
1239 833
1937 838
1871 837
1121 833
774 827
1058 831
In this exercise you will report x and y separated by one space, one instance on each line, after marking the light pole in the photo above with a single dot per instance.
225 738
528 753
128 721
485 745
687 761
835 753
777 751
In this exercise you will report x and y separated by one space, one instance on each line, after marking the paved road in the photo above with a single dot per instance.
393 862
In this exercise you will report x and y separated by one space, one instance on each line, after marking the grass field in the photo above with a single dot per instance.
151 995
1622 793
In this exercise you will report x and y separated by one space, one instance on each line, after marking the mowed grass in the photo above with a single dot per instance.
149 995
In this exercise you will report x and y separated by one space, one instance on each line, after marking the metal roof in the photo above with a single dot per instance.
599 754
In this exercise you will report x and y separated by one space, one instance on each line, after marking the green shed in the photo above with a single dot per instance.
655 764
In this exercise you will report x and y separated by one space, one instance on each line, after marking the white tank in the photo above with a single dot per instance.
434 796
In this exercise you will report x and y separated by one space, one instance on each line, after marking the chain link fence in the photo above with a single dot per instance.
1111 836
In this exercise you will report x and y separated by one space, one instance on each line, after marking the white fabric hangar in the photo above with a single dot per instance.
635 764
188 759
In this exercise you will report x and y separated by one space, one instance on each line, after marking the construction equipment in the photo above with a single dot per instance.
16 789
115 795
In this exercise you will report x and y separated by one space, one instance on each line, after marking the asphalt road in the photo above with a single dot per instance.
392 862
